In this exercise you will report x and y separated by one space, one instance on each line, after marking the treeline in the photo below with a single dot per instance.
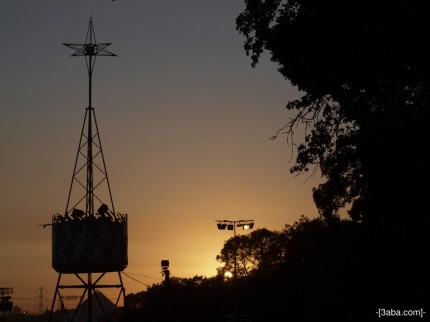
311 270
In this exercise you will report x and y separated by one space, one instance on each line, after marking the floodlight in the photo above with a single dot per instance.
77 213
230 227
165 265
221 226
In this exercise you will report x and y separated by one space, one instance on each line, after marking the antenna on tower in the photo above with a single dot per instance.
90 137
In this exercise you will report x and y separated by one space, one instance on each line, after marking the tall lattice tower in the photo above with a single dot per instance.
41 300
90 237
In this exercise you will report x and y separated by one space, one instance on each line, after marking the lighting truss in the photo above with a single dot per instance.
231 224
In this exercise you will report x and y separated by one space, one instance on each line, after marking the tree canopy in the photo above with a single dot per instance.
262 249
364 69
310 270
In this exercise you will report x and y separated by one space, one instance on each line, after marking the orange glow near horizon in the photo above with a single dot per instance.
184 122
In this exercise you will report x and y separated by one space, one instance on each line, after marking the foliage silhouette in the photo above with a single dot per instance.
189 299
364 69
316 273
261 249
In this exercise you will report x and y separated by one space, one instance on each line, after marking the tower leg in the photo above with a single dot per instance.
90 293
55 296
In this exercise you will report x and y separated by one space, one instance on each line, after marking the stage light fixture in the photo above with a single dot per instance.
221 226
248 226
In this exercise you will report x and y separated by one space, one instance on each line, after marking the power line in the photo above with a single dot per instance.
155 278
135 279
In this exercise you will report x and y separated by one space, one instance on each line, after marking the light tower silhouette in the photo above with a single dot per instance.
89 241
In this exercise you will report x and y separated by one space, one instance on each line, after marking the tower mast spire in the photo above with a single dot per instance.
90 50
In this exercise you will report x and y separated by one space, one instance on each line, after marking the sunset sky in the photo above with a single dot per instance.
184 120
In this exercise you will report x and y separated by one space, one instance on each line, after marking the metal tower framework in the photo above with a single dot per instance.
84 174
41 300
90 137
89 292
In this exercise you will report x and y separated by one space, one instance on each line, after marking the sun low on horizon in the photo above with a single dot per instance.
184 121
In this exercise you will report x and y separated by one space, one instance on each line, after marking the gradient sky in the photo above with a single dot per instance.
184 121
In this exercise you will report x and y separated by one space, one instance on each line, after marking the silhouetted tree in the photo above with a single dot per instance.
311 270
188 299
262 249
325 271
364 70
